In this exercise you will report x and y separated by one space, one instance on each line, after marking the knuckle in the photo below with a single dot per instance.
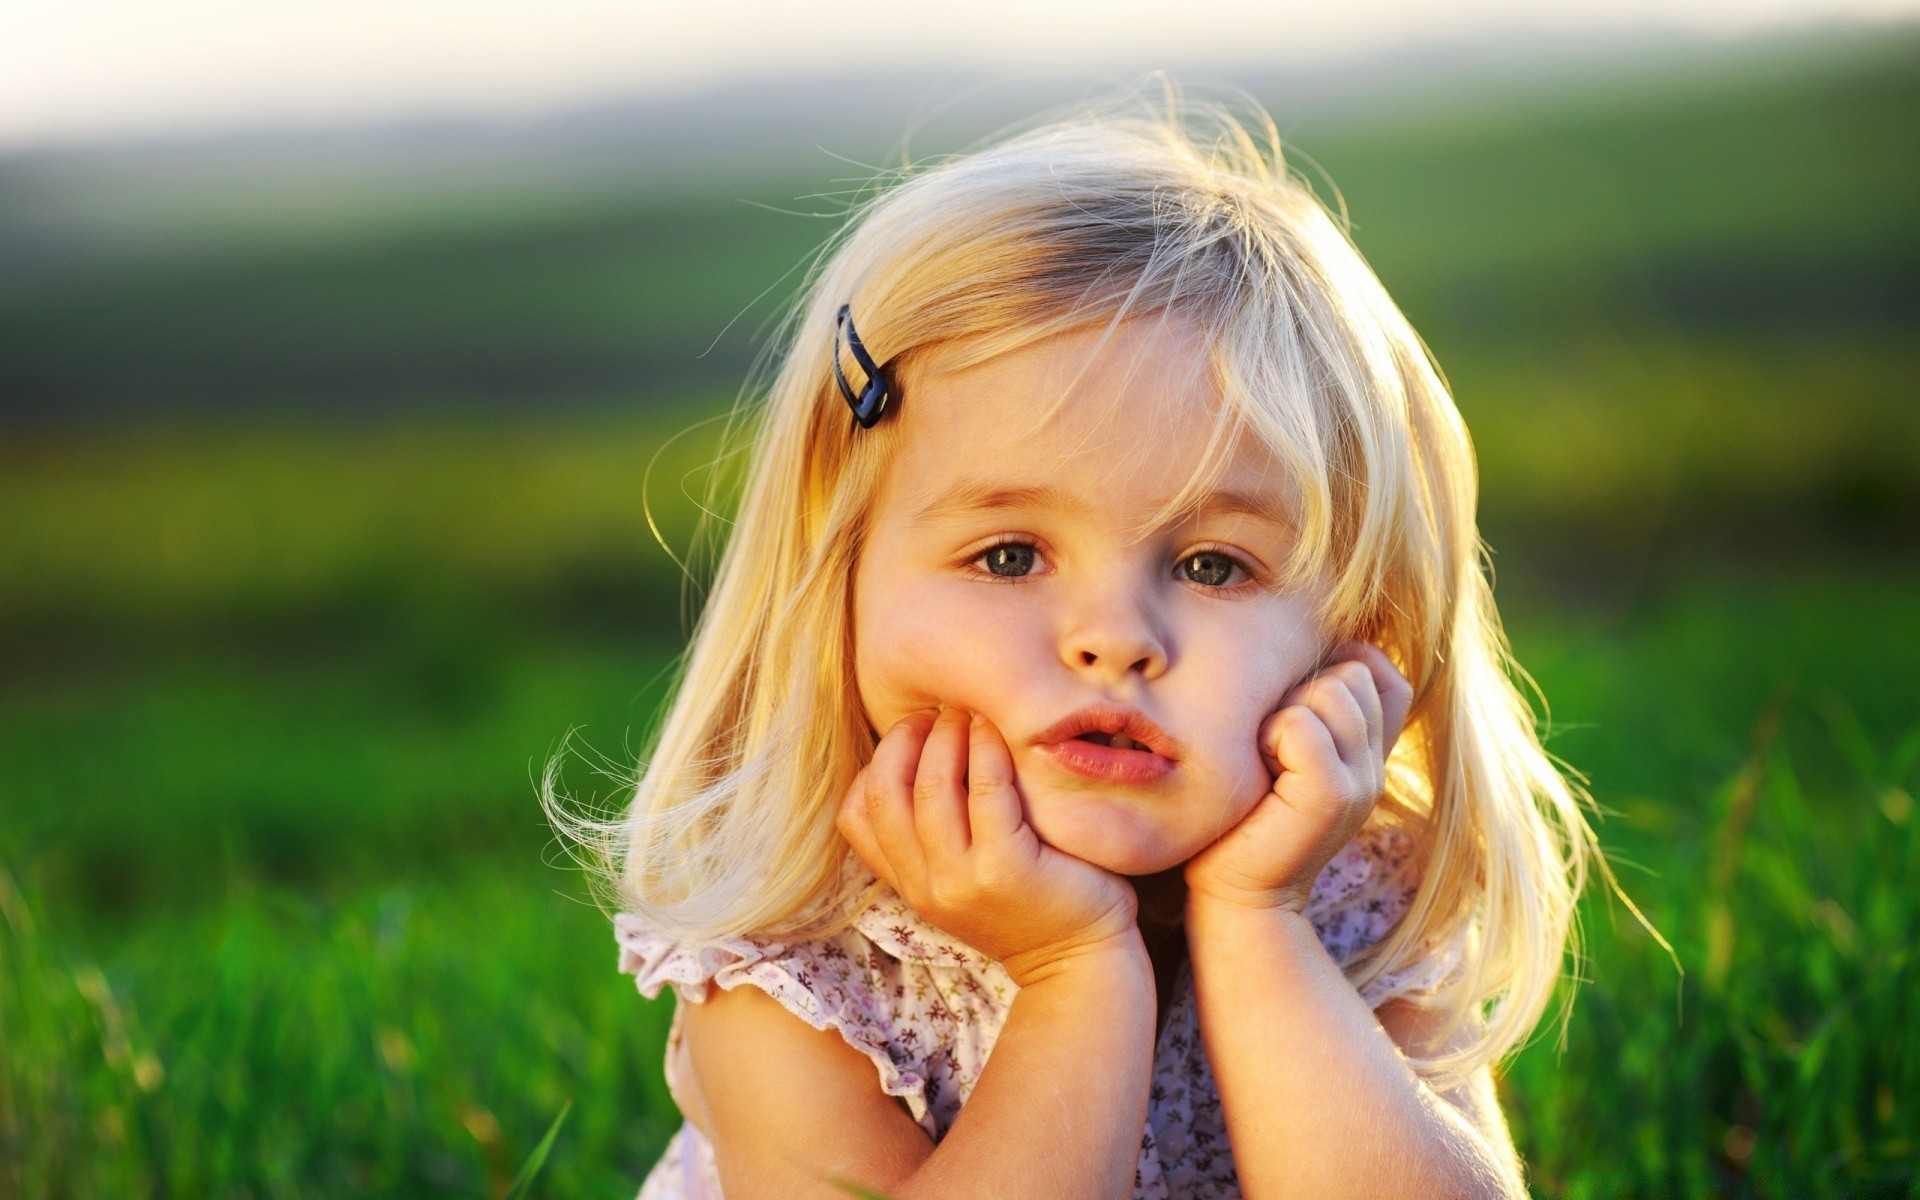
944 895
996 874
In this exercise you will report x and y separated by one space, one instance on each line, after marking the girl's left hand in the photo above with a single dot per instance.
1327 748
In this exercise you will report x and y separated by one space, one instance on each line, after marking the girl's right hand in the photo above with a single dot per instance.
936 815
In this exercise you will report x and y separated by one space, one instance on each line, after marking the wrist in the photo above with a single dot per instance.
1121 953
1227 941
1284 898
1214 920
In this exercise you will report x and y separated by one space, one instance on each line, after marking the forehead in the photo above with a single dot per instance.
1115 420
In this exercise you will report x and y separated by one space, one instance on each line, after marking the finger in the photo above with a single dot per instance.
1396 696
898 754
1325 697
1270 739
1301 744
858 831
993 805
890 798
939 789
1396 693
1358 680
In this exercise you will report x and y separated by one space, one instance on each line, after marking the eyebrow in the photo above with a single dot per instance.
974 496
971 496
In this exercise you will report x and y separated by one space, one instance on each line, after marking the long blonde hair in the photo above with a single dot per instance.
1142 206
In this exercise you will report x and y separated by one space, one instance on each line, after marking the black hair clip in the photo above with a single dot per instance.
872 399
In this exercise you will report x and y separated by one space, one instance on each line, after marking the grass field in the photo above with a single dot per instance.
282 928
279 914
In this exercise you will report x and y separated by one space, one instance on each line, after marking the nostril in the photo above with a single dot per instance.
1088 657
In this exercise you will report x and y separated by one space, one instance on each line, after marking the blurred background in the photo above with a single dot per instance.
344 351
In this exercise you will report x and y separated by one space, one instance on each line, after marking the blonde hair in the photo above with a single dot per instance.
1143 206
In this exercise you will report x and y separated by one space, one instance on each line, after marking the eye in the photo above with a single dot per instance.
1009 560
1208 568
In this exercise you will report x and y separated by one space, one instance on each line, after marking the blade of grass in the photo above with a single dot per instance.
523 1182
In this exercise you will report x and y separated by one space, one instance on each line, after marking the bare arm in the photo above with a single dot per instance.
1416 1031
1058 1111
1319 1099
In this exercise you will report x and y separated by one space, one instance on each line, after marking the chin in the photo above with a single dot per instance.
1107 834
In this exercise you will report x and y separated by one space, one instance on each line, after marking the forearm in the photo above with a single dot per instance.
1061 1105
1319 1100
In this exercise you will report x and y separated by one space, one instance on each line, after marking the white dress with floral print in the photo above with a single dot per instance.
926 1008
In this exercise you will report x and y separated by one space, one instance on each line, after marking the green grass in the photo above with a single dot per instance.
414 1039
142 525
1779 1063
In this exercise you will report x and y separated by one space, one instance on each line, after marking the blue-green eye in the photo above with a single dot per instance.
1209 568
1009 559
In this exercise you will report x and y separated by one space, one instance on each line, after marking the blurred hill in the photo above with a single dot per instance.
603 256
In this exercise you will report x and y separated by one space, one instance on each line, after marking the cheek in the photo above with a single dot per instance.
1244 780
1243 676
918 645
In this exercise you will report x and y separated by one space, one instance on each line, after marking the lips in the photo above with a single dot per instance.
1112 745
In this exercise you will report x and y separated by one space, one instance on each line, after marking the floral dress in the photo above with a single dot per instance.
926 1009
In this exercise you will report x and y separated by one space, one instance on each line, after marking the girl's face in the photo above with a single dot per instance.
1000 575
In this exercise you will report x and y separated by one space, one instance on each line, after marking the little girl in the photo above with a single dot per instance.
1096 771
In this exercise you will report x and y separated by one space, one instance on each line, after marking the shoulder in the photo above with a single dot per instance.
919 1009
782 1055
782 1103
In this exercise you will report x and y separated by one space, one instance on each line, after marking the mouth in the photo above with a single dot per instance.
1119 741
1111 745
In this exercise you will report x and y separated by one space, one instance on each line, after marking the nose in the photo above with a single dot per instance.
1114 635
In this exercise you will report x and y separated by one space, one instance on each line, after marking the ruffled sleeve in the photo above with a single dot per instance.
869 995
1358 899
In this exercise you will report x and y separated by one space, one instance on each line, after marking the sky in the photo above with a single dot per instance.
79 71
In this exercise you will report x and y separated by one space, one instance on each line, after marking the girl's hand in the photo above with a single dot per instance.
1327 748
935 814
